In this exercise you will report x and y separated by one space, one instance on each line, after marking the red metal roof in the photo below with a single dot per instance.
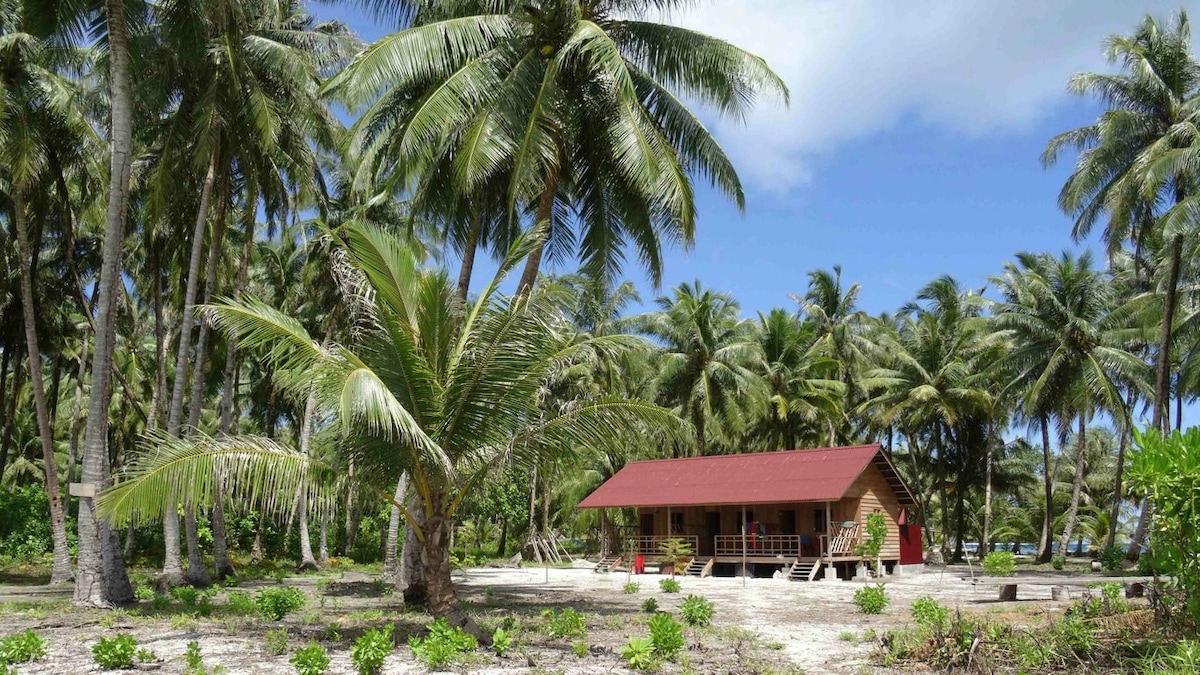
820 474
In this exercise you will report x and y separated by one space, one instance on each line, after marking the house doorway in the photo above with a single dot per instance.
787 522
712 530
646 525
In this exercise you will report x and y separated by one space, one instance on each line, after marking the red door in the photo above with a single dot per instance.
911 552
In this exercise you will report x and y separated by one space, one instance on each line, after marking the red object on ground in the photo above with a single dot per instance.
911 550
639 564
823 474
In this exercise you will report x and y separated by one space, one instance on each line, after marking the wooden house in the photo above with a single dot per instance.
800 511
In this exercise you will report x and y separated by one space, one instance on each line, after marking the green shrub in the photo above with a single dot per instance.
22 648
580 647
649 605
639 653
669 586
1179 658
696 610
276 602
674 552
371 649
501 642
277 641
310 660
631 588
186 595
566 623
1058 562
115 653
144 655
1000 564
442 646
871 599
1112 558
241 603
194 662
143 593
160 602
666 634
927 612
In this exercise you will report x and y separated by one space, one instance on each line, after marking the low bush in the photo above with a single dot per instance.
666 634
276 602
144 655
1112 559
649 605
696 610
310 660
115 653
927 612
566 623
580 647
871 599
1000 564
277 641
631 588
669 586
1058 562
24 647
370 650
241 603
443 646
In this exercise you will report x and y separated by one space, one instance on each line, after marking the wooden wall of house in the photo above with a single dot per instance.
873 494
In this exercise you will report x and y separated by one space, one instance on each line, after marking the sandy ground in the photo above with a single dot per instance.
812 628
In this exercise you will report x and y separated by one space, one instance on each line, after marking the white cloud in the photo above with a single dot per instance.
858 67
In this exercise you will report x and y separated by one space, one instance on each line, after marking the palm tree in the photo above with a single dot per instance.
707 370
841 328
559 105
805 397
40 118
442 390
1152 109
1067 352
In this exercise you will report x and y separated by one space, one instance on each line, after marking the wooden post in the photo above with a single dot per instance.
744 526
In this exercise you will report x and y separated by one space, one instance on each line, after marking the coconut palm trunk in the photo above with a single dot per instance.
100 579
172 571
412 562
391 561
61 572
470 246
435 556
545 211
1044 548
1076 488
307 560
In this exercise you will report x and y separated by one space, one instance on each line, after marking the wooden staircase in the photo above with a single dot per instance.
608 564
803 570
697 567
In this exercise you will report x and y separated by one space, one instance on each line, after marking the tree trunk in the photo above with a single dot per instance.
545 211
412 561
323 542
61 571
502 545
986 538
1118 487
468 256
172 572
1044 549
100 578
1162 375
353 517
307 561
1076 488
435 555
10 415
391 561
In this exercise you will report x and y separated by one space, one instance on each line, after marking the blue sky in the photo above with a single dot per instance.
910 149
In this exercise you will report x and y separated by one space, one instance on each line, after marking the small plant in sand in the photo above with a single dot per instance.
277 641
115 653
566 623
871 599
310 660
639 653
631 588
696 610
370 650
649 605
502 642
276 602
444 645
669 585
24 647
667 635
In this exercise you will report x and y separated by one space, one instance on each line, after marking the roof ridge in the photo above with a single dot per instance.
795 451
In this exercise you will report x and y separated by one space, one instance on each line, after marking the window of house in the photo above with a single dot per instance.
676 523
819 521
